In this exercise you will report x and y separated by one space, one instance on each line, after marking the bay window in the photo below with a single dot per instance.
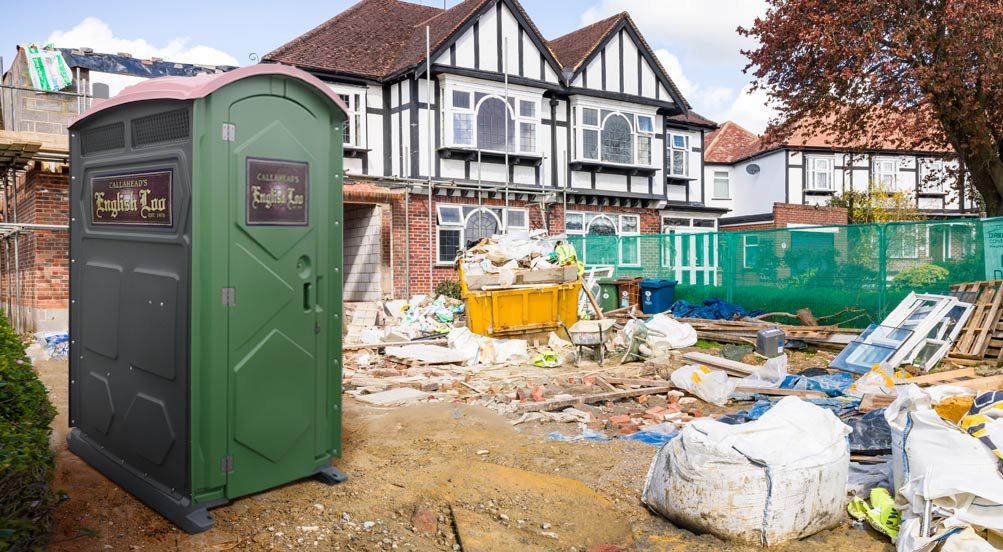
611 136
486 121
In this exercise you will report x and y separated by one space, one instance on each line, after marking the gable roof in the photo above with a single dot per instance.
692 118
577 48
364 40
380 39
729 143
573 48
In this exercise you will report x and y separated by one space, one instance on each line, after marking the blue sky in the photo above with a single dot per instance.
695 39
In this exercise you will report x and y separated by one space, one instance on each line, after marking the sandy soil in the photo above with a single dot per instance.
418 476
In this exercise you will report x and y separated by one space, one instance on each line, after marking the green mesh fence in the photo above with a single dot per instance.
837 271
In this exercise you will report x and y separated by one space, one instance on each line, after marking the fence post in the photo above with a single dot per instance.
730 272
882 269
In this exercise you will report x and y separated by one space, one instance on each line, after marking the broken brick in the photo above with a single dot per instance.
537 394
590 380
621 419
628 429
425 520
642 399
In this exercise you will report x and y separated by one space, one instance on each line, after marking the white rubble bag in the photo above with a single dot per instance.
766 482
934 460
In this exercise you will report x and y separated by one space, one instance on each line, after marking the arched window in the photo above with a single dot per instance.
495 125
481 223
617 140
602 226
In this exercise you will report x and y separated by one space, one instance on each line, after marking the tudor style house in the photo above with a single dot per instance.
758 182
467 122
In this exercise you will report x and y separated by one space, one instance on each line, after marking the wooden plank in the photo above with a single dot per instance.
871 402
991 383
803 393
990 317
939 377
721 363
359 346
590 399
637 381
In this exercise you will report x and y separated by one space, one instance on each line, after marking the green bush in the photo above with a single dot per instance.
449 288
27 503
924 277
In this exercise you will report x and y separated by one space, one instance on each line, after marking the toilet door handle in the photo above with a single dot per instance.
307 299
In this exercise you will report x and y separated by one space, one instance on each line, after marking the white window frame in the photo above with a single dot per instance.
618 223
899 233
933 173
745 249
671 147
355 99
517 96
633 115
461 226
883 167
727 183
812 166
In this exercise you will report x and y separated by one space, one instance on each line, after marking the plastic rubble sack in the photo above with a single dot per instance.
880 380
984 421
879 513
547 359
585 435
936 461
498 351
770 375
674 334
779 478
713 386
865 476
465 341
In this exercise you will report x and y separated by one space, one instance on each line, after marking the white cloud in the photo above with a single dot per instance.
752 110
702 98
704 29
96 34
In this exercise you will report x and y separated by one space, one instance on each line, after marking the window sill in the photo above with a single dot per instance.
612 168
932 194
720 199
470 154
820 192
679 179
355 152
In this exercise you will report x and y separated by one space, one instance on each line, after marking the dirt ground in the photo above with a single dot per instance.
418 476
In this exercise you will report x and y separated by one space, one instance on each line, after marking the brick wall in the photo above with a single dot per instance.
35 111
789 213
42 198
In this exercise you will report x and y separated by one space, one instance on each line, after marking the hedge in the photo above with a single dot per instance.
27 504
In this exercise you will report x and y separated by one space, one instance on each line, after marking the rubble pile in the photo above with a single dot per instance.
881 396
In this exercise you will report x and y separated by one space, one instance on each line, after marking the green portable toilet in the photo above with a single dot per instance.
205 287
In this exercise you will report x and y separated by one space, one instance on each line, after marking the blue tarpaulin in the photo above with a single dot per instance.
711 309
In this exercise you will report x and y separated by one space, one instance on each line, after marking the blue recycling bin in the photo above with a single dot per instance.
657 295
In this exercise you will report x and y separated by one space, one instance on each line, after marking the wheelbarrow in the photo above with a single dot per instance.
592 334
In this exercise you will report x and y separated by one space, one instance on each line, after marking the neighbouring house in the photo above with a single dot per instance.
790 183
34 177
467 122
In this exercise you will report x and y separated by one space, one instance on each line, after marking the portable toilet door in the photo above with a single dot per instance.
206 287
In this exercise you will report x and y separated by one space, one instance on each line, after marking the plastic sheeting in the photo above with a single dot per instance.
789 469
713 386
711 309
936 461
669 334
